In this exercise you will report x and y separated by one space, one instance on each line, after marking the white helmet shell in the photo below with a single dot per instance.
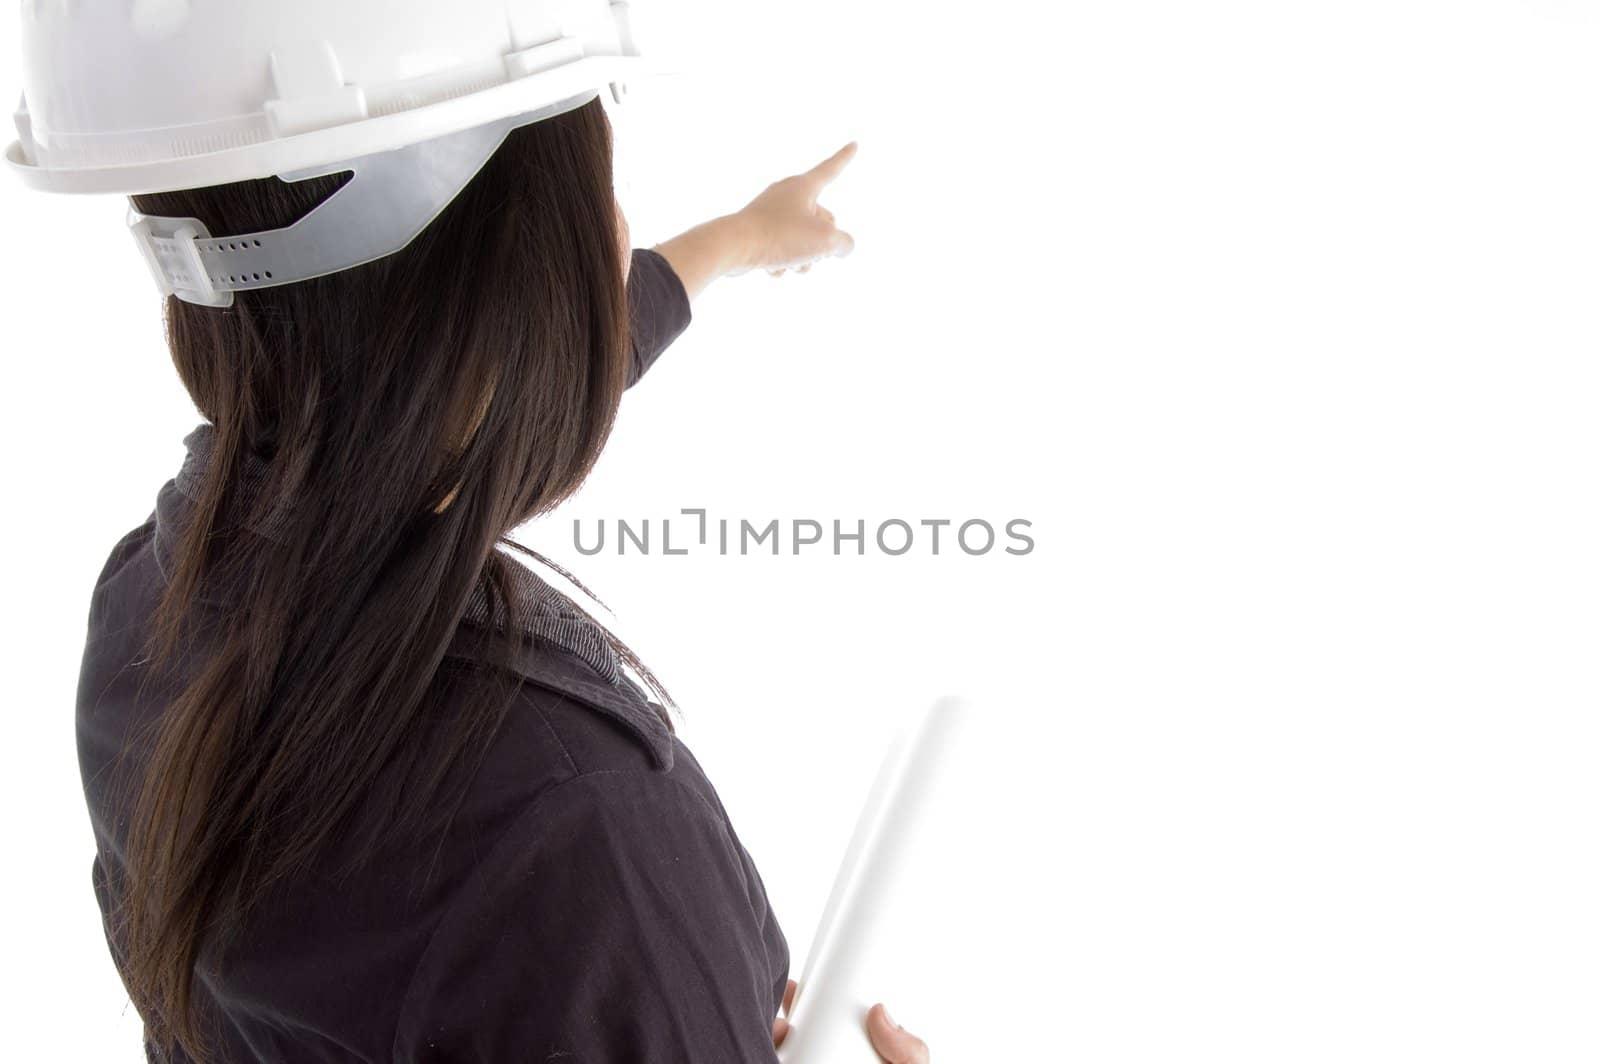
135 96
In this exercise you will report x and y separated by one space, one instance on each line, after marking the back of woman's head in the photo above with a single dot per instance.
510 306
408 414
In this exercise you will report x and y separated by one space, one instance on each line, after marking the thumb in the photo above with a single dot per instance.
894 1043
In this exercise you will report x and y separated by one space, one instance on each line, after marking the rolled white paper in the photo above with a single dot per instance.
828 1016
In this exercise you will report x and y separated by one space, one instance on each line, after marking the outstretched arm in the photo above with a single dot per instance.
783 228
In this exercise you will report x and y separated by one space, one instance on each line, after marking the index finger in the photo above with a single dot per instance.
832 166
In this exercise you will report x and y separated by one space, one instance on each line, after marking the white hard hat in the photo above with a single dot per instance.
140 96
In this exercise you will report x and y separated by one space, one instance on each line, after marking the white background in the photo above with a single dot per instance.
1278 321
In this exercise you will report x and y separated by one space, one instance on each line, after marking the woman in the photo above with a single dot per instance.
363 787
341 814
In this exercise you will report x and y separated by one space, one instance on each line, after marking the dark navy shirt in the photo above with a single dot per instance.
591 902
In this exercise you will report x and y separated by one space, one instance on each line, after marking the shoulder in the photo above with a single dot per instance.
567 764
550 737
616 756
130 560
130 545
596 733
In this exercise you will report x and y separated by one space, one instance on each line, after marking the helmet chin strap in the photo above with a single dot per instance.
389 200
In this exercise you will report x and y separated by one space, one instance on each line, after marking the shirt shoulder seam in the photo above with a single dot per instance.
544 718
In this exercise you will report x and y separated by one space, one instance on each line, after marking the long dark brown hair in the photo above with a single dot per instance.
416 409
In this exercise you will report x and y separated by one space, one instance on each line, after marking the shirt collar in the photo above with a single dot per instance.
562 649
